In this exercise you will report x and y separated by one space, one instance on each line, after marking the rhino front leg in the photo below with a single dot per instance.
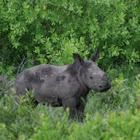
80 112
71 103
81 108
73 114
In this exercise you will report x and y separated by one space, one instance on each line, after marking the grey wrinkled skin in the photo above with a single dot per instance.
66 85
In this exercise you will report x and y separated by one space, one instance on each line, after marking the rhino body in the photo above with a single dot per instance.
66 85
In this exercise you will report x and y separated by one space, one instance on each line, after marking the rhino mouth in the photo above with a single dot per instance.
104 88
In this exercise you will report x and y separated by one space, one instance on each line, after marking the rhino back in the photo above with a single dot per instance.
48 82
35 75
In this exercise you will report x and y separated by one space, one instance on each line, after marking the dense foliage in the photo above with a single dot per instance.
49 31
42 31
111 115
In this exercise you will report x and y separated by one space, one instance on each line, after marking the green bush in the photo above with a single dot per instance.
16 120
111 115
124 125
34 32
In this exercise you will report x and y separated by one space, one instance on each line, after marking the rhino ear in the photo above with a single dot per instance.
95 56
78 59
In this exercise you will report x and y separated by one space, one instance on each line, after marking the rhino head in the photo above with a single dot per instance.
90 74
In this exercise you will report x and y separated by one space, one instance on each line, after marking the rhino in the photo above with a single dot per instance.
66 86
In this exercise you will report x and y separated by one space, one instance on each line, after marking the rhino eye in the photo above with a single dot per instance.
91 77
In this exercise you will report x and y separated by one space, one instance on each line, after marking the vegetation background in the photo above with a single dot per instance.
41 31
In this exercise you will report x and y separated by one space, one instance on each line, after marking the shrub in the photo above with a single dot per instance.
111 115
124 125
34 32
